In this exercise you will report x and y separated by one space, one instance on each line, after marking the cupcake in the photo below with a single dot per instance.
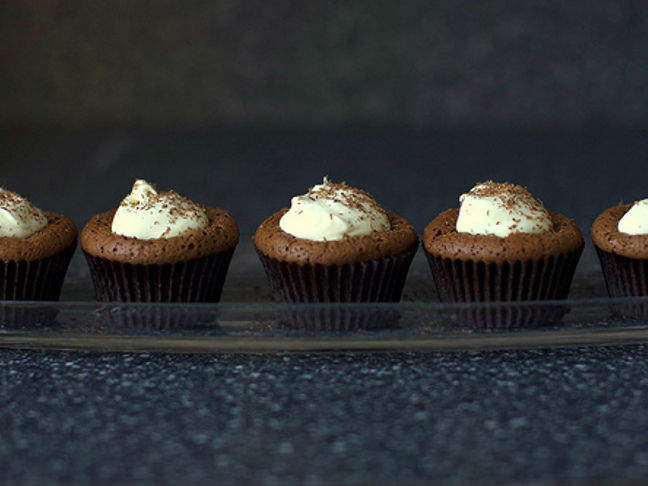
36 247
159 247
620 236
501 244
335 244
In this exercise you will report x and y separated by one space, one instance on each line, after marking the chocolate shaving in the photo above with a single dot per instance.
510 195
177 206
349 196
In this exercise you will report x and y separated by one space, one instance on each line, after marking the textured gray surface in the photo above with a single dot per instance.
462 63
543 416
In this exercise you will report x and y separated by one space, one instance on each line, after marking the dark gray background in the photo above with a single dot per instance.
243 104
413 62
254 172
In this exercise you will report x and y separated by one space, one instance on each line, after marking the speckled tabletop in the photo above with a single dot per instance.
576 414
541 416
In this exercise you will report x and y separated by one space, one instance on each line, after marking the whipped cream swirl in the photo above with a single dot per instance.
147 214
635 220
18 217
330 212
501 209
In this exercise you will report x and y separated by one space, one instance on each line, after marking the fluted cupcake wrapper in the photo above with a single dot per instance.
32 280
379 280
543 279
198 280
37 279
625 277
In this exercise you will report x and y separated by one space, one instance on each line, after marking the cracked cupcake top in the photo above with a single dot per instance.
500 222
627 240
333 224
151 227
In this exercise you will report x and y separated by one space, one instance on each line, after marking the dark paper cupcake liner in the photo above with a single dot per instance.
544 279
380 280
198 280
625 277
37 279
32 280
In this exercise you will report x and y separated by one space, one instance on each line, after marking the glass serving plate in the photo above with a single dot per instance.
248 321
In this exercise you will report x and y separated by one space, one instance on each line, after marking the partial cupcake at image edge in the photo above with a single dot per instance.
159 247
36 247
336 244
502 245
620 236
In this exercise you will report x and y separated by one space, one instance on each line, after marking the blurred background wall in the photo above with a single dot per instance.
466 63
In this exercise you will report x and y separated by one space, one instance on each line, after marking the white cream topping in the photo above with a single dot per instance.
18 217
146 214
501 209
329 212
635 220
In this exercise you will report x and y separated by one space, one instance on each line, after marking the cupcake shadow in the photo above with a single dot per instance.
506 315
18 316
147 317
337 317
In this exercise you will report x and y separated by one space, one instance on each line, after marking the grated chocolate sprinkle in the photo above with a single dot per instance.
351 197
510 195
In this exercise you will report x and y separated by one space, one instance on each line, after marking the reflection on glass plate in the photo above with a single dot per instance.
269 327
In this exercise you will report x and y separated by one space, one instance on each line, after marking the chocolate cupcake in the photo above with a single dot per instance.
159 247
336 244
502 245
620 236
36 247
